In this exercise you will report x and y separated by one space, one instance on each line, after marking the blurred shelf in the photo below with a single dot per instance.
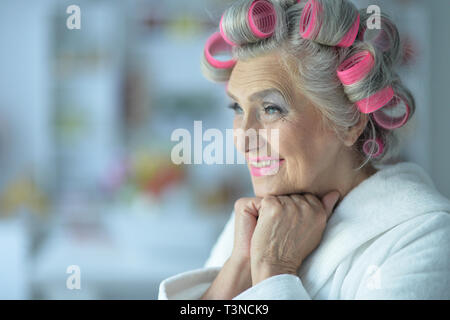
126 257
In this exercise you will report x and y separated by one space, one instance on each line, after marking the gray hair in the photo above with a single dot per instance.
316 64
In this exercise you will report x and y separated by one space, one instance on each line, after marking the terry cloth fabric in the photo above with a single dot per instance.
389 238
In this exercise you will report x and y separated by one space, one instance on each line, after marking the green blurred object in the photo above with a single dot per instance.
193 104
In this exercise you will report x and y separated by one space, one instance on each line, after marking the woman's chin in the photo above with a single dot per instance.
272 184
262 191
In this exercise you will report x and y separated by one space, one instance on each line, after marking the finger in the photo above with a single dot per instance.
270 205
300 200
248 205
313 200
286 201
256 204
329 201
271 200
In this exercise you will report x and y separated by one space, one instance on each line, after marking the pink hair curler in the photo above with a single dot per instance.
216 45
379 147
261 19
355 68
309 18
309 27
394 115
376 101
224 36
350 37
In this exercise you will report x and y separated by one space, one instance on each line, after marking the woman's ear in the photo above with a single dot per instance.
353 133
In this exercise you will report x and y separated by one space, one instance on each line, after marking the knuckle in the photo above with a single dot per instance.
286 200
271 206
297 197
274 213
299 200
240 203
310 197
270 200
303 203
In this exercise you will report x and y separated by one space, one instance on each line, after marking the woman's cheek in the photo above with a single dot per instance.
235 123
270 119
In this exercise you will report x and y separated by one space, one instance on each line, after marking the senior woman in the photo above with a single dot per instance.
333 221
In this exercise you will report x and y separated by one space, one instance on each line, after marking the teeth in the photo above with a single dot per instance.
263 164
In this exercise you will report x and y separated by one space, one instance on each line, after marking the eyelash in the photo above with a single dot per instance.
278 109
237 108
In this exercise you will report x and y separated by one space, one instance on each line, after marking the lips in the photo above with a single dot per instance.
264 166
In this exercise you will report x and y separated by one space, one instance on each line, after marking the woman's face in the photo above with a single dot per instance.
309 152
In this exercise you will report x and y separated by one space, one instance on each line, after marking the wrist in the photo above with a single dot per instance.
264 271
239 261
233 278
238 274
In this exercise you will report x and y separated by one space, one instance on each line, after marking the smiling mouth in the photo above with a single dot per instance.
265 166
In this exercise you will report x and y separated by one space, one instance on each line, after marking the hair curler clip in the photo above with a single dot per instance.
309 19
376 101
216 45
310 25
261 20
375 145
355 68
394 115
224 36
351 35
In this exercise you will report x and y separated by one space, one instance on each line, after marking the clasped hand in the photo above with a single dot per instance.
273 235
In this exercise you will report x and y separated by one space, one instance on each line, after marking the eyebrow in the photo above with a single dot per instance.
259 94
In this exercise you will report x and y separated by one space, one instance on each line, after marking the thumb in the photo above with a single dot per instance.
253 207
329 201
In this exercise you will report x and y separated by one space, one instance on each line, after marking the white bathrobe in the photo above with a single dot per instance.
389 238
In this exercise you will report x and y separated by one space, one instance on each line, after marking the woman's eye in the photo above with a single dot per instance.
272 110
237 109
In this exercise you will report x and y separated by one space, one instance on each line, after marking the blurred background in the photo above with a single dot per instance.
86 118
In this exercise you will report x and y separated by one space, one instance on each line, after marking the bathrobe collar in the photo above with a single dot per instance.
388 198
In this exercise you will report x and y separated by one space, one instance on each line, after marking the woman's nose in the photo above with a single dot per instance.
248 135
